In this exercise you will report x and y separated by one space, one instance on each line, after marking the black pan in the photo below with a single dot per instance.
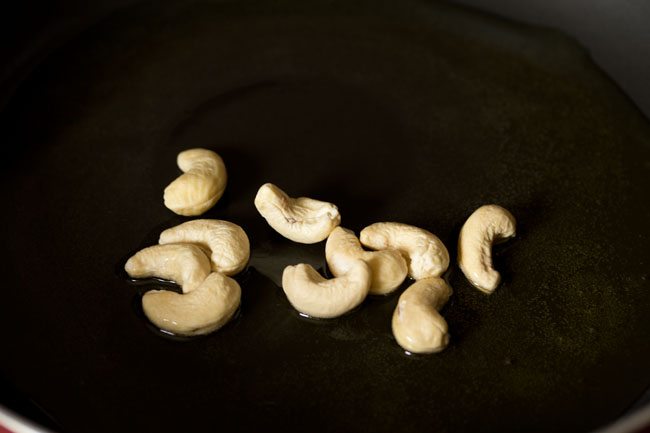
406 112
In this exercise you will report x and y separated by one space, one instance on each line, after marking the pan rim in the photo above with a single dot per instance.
16 423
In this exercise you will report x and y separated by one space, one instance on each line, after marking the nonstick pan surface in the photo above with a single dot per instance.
395 112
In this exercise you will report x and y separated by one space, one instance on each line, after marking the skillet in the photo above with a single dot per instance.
416 113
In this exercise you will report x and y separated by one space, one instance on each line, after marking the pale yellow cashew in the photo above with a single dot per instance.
388 268
426 255
315 296
201 311
226 243
185 264
200 186
489 224
417 325
302 219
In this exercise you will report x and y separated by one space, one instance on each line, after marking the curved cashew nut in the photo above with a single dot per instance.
427 255
302 219
201 311
387 267
200 186
185 264
226 243
487 225
315 296
417 325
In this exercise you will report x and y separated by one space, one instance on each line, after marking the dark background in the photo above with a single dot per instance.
616 34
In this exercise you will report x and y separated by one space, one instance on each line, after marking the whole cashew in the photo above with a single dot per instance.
387 267
201 311
417 325
226 243
427 255
315 296
487 225
185 264
200 186
302 219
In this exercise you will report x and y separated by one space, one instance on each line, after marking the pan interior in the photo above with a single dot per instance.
408 112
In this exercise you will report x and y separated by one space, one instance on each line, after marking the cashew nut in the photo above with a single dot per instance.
417 325
315 296
201 311
487 225
226 243
185 264
387 267
302 219
426 254
200 186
